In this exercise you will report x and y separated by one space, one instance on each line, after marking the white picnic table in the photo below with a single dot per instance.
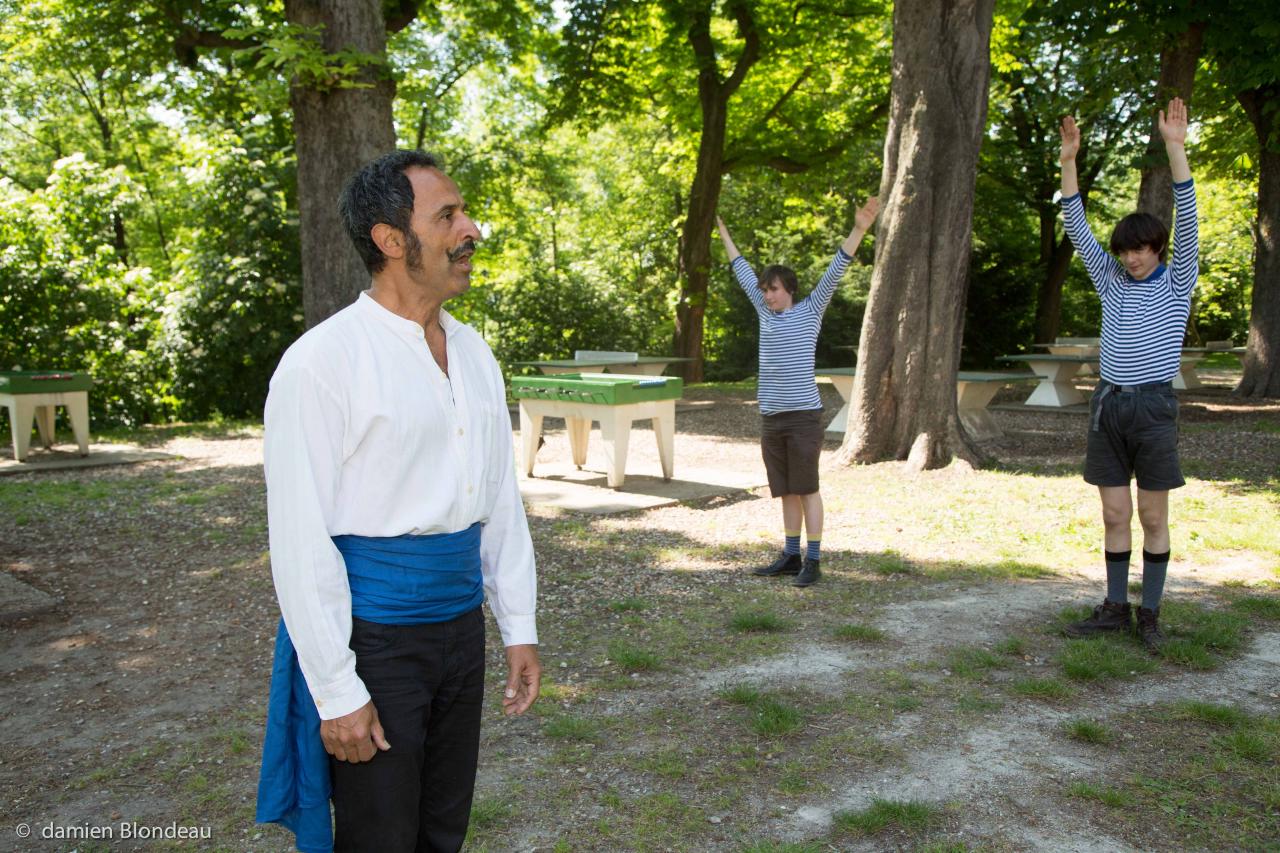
974 390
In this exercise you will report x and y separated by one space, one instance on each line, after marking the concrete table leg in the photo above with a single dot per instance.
844 385
78 411
971 406
1055 388
664 427
530 432
44 425
615 429
579 430
1187 378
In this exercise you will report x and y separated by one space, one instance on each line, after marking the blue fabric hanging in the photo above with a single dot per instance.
399 580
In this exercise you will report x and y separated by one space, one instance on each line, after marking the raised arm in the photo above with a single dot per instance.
727 240
1070 147
1173 129
862 221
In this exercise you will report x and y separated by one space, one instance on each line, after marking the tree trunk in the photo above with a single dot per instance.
1178 63
1262 359
904 396
336 131
695 240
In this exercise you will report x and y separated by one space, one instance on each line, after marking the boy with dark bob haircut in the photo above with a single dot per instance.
1133 415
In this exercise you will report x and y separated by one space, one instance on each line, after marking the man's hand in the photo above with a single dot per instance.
356 737
865 216
1070 140
524 678
1173 125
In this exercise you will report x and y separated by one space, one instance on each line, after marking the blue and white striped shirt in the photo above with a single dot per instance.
1143 322
788 339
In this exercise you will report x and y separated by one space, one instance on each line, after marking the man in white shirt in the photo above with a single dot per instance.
394 513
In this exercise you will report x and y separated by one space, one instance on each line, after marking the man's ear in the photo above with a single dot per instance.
388 239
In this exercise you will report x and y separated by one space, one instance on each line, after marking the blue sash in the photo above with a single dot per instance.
399 580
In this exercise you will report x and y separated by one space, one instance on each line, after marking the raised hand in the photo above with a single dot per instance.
1070 140
1173 124
864 216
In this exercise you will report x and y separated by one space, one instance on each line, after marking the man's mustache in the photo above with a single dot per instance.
467 248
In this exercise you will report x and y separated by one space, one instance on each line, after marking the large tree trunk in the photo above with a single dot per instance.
336 131
1178 63
1262 359
1049 298
904 397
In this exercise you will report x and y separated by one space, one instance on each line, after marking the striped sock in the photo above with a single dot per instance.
814 551
793 543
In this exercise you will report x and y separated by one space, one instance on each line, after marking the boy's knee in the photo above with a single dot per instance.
1152 519
1117 516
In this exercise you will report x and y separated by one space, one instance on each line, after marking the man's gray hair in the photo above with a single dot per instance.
381 193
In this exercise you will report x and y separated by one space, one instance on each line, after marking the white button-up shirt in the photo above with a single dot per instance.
365 435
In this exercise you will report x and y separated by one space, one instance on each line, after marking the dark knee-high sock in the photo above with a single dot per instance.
1154 569
1118 576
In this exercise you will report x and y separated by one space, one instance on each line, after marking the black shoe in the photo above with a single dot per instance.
1149 630
808 575
787 564
1107 616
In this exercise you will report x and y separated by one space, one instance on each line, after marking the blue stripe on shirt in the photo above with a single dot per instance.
1143 322
788 339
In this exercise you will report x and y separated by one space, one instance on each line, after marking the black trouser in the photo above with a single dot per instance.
427 684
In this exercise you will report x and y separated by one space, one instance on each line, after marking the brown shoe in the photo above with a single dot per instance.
1107 616
1149 630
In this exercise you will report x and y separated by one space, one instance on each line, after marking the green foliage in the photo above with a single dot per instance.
882 814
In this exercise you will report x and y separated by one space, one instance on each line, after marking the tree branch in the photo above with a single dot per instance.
750 47
786 96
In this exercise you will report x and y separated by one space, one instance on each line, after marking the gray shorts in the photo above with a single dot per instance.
791 443
1133 431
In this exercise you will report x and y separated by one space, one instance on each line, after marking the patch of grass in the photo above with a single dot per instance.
910 816
1012 646
740 694
972 662
489 811
1198 635
1248 745
906 703
628 605
669 764
858 632
1086 731
1112 797
571 728
757 620
1211 712
775 718
1103 657
1257 606
973 702
888 563
797 777
633 658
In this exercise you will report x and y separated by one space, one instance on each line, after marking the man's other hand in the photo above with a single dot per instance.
524 677
357 737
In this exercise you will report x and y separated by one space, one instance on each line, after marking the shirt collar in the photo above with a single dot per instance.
400 325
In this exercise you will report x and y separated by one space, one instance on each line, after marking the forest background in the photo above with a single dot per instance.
149 188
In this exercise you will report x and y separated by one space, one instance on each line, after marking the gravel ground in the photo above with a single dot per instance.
141 695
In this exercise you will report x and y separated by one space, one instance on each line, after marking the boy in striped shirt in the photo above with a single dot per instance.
1133 415
790 409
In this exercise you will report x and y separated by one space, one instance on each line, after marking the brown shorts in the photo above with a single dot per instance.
790 443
